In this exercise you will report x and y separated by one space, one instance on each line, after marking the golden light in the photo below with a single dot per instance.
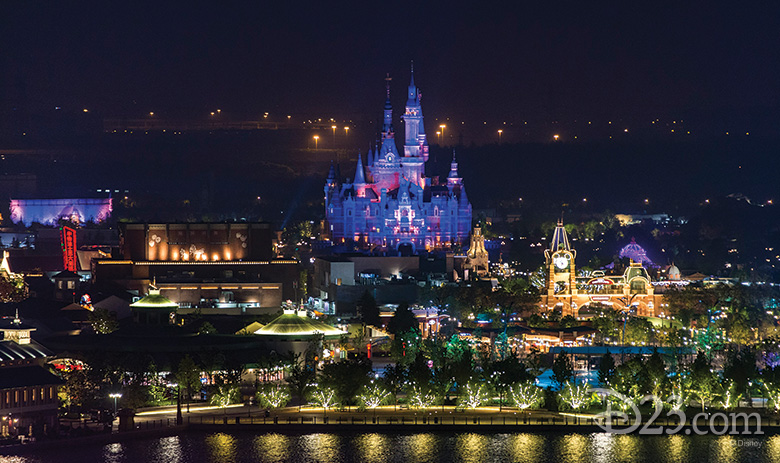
219 110
212 113
333 127
151 113
556 137
85 110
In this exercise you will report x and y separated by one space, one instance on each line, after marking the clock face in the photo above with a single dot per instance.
390 157
561 262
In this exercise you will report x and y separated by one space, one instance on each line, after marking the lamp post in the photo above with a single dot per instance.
346 135
500 132
438 135
334 136
316 142
115 396
442 127
179 419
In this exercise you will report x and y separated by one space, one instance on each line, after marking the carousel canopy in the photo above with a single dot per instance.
297 324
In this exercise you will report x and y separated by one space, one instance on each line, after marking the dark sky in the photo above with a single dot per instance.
478 62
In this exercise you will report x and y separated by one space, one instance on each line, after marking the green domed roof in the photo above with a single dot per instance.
155 300
297 324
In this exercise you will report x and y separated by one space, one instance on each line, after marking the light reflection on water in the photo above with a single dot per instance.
346 447
373 448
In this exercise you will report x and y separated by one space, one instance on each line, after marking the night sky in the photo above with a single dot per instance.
541 60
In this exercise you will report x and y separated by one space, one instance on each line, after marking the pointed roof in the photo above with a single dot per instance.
360 176
292 323
331 173
413 93
154 300
453 167
560 239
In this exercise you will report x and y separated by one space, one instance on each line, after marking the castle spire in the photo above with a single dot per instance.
388 119
331 173
453 168
360 177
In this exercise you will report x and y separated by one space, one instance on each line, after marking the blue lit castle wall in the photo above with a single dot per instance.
390 202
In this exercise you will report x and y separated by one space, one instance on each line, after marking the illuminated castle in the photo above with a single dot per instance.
391 204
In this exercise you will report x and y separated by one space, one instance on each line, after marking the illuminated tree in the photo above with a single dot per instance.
419 398
526 395
272 396
773 395
103 322
224 394
730 396
325 397
474 395
373 395
576 395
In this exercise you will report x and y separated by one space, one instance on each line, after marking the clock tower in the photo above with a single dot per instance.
561 274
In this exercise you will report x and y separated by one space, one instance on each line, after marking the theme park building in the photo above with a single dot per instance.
391 203
572 295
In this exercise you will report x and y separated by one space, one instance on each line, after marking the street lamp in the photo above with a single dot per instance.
442 127
500 132
115 396
334 135
316 141
438 135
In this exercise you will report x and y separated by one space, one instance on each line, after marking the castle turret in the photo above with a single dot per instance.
360 178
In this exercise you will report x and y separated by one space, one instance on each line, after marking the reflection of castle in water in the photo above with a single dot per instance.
573 295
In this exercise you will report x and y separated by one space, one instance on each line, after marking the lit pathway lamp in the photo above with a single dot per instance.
115 396
316 142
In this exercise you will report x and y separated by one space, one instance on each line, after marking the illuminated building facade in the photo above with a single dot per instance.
50 211
390 203
565 291
196 242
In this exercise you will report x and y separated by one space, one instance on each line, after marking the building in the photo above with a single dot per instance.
28 391
391 204
221 268
565 291
293 331
196 242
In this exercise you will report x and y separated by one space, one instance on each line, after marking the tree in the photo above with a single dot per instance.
526 395
188 377
272 396
373 395
606 369
575 395
703 381
474 395
568 322
368 310
562 369
301 378
403 320
346 378
102 321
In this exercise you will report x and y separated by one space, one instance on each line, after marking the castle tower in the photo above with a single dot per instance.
561 274
415 140
477 256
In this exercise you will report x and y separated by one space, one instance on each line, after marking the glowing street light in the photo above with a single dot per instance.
442 127
438 135
346 135
334 135
316 141
115 396
556 137
500 132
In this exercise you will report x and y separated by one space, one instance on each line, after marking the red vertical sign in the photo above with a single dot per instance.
68 241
